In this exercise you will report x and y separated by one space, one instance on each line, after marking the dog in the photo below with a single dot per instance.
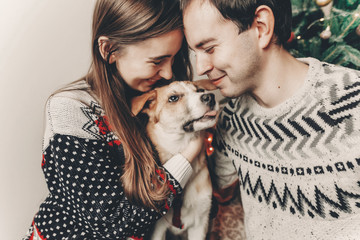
178 113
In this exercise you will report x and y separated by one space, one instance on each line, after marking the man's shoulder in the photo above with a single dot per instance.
330 82
325 70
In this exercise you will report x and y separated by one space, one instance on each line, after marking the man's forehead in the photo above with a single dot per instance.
196 6
201 11
200 18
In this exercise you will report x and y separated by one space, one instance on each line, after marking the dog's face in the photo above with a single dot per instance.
179 106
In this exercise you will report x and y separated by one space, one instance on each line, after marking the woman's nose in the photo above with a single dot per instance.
166 71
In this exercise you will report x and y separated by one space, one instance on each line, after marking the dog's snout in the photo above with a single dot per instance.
208 99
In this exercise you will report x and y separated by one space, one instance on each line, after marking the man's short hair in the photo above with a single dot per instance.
242 13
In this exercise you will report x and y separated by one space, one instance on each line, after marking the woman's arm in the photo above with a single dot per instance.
179 165
83 170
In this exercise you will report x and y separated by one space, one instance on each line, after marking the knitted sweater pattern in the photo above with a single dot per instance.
82 164
298 164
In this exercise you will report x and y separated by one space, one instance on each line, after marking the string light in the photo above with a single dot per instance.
208 142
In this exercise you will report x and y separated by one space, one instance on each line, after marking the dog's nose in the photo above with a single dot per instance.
208 99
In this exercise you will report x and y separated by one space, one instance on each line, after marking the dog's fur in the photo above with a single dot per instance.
178 113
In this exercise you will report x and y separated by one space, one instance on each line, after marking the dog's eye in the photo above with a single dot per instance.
173 98
200 90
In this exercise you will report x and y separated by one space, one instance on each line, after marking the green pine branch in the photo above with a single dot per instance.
342 48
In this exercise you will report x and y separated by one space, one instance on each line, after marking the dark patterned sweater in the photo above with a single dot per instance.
82 164
298 164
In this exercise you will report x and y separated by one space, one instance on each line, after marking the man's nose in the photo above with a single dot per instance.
203 64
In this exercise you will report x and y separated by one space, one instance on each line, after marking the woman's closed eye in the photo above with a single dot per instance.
158 62
209 50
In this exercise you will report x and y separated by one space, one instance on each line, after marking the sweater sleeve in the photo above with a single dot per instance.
82 169
223 171
221 165
180 168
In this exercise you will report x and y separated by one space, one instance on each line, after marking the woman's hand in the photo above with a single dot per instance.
194 148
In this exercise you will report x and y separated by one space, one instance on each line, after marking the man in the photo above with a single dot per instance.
290 134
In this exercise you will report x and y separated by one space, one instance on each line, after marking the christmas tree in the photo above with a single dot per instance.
328 30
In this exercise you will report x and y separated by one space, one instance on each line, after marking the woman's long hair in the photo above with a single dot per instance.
126 22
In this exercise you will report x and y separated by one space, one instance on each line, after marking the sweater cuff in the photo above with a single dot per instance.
179 168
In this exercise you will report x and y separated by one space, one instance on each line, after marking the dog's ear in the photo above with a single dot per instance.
205 84
138 103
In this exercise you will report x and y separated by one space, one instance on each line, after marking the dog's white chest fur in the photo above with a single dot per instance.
177 113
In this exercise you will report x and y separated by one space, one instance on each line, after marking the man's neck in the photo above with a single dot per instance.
281 77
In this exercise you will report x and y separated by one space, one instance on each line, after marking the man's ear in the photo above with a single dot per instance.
104 49
138 103
264 22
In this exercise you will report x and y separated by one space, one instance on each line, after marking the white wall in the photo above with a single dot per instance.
43 45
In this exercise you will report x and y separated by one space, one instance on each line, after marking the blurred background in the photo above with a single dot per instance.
43 45
328 30
46 44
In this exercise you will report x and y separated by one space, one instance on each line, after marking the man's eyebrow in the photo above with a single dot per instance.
159 57
203 42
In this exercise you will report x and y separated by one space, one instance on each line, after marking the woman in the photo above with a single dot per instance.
101 171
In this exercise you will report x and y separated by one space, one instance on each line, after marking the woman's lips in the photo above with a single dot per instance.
152 81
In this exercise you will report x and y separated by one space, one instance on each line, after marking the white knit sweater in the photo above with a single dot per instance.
298 164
